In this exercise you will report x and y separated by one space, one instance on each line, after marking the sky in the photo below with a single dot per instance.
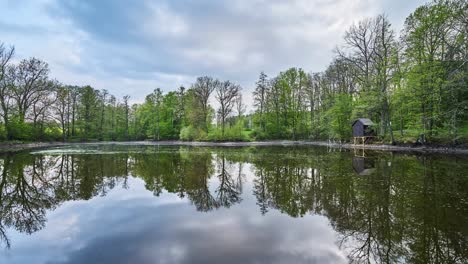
133 47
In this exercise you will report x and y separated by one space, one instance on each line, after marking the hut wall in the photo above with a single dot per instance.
358 129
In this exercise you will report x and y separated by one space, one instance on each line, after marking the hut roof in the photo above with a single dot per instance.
364 121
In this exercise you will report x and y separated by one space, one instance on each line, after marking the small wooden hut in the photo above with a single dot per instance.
362 129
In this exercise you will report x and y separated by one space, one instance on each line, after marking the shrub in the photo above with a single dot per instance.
190 133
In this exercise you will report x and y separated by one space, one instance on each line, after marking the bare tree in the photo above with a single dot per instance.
74 98
41 106
30 82
203 88
62 109
240 106
384 50
226 93
360 40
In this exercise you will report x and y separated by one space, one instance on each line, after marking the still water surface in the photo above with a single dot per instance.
154 204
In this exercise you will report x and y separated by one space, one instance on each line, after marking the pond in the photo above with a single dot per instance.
181 204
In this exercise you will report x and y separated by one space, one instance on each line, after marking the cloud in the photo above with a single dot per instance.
163 22
132 48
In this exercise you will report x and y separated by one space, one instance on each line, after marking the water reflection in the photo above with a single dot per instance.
386 208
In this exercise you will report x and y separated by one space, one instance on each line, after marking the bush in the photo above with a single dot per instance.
259 135
3 133
190 133
234 133
21 131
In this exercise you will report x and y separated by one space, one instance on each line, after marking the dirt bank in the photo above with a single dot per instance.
14 147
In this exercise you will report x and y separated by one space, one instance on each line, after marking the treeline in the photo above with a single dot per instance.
36 107
414 88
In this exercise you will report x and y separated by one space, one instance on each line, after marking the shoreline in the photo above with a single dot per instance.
16 147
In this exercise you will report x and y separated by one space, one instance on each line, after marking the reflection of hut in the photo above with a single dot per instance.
362 129
363 166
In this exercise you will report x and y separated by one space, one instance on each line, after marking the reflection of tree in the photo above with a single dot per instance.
410 214
228 191
406 209
283 185
5 163
441 235
32 184
369 229
187 172
198 168
152 169
260 191
25 194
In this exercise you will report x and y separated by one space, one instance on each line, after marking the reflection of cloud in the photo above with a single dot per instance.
175 235
145 229
65 228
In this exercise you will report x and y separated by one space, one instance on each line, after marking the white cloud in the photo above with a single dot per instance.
170 43
121 85
163 22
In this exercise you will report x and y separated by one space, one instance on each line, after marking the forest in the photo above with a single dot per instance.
413 85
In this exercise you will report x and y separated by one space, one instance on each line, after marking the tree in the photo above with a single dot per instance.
436 62
74 102
5 85
156 99
260 97
62 109
240 106
360 40
127 114
202 89
385 50
30 84
180 107
274 103
113 107
88 113
103 100
226 94
41 109
339 116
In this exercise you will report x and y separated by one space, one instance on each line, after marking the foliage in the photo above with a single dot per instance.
338 117
190 133
231 133
414 89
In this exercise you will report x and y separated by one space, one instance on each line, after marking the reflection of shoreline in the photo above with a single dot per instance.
32 184
404 200
15 147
